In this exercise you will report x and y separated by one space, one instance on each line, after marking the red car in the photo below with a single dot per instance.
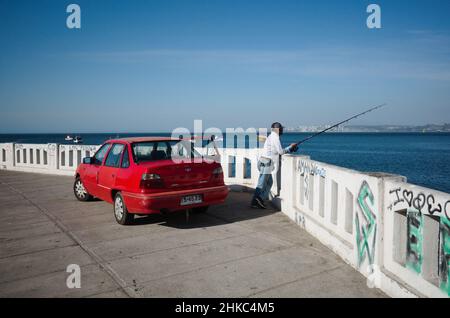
150 175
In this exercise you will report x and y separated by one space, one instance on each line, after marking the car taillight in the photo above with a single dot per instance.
151 180
217 173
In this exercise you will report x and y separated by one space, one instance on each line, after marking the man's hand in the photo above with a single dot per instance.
293 147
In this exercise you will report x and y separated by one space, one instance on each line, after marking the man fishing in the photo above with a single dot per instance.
266 163
272 151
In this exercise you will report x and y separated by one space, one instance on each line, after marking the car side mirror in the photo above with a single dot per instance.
88 160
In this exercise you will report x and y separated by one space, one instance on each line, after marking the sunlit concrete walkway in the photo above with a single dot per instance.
231 251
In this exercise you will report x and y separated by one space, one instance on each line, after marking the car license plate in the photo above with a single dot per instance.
191 199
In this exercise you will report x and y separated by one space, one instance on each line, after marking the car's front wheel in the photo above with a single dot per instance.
80 191
120 211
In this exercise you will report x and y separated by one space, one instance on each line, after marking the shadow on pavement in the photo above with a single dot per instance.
234 209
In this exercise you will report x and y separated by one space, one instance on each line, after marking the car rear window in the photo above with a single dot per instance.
164 150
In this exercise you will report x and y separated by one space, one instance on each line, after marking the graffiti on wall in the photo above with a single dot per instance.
300 219
78 147
444 255
307 169
418 204
366 225
414 243
425 203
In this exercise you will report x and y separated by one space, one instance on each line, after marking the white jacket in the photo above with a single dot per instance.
272 148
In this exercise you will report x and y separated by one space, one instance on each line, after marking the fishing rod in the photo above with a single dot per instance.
342 122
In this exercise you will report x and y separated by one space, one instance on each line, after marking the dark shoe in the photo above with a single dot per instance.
260 203
254 205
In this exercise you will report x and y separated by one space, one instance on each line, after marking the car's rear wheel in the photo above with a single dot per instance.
200 209
121 213
80 191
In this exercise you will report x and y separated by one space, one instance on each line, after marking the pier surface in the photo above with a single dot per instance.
230 251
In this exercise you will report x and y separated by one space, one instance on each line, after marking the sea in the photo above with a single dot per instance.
424 158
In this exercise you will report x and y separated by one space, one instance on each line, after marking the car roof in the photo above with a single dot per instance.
142 139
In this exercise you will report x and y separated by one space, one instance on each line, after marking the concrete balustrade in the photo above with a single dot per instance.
240 167
417 237
70 156
395 233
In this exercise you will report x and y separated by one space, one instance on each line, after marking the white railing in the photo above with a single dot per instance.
70 156
44 158
417 237
324 198
31 156
5 152
240 166
395 233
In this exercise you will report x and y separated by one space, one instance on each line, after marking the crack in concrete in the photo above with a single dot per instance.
217 264
296 280
102 263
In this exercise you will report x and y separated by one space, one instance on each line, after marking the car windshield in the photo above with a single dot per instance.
164 150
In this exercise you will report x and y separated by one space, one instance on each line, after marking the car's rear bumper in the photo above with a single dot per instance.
171 201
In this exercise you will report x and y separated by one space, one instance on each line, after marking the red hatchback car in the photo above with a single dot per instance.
150 175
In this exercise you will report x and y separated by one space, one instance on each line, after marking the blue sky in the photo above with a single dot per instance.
156 65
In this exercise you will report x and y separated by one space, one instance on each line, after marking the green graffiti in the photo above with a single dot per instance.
366 231
444 255
414 254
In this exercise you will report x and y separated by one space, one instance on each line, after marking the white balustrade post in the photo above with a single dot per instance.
53 157
286 201
254 168
239 164
10 156
224 163
383 179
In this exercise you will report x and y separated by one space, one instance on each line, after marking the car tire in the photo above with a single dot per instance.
200 209
121 213
80 191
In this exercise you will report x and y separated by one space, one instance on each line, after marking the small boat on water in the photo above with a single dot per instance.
77 140
68 138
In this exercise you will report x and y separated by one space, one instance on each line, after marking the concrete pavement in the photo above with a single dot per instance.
230 251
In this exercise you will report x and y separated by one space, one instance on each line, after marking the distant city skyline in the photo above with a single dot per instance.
373 128
152 66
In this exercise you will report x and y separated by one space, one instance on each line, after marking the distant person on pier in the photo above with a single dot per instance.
211 149
266 163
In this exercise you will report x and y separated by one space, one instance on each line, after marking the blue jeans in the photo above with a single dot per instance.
265 180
